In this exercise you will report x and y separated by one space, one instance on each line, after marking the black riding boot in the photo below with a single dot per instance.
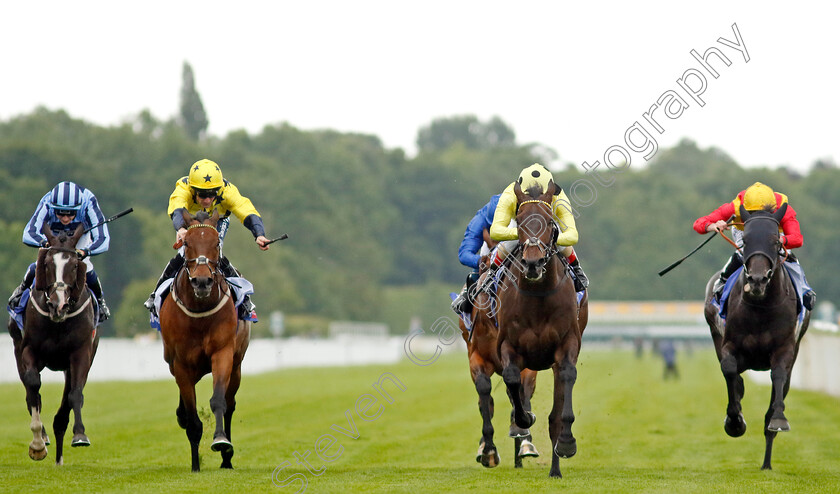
729 268
28 278
93 283
581 281
227 269
169 271
462 302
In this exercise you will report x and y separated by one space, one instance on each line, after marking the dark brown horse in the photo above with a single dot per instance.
201 335
58 334
761 330
540 321
484 361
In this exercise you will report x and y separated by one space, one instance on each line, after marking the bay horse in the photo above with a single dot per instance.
59 334
761 330
541 322
484 362
202 334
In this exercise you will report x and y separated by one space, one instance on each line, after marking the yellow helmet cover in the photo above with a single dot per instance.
535 175
759 196
205 174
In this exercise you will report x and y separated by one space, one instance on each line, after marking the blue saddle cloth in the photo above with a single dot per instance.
240 286
18 312
796 275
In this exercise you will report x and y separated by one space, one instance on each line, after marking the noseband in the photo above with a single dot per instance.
201 260
548 250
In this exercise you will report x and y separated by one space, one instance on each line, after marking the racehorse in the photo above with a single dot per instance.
761 330
540 320
201 334
484 361
59 334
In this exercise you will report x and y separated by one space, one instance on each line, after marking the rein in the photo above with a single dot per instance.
68 316
212 265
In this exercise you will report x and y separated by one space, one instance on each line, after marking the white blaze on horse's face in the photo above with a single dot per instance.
60 260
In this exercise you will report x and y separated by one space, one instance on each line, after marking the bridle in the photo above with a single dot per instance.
61 286
547 250
212 265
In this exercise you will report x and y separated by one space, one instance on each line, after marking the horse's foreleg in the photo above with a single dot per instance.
562 416
61 419
187 412
522 418
734 425
31 379
78 374
230 398
775 420
222 363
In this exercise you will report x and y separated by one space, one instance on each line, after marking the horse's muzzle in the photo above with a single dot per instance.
202 286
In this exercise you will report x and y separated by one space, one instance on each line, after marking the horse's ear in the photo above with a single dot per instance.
81 277
550 191
780 213
47 231
520 196
77 235
41 270
215 218
745 215
188 218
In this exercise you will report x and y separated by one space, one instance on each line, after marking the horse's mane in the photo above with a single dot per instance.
202 216
534 191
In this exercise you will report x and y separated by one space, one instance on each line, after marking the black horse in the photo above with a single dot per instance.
761 330
58 334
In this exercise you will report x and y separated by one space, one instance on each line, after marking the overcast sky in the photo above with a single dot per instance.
571 75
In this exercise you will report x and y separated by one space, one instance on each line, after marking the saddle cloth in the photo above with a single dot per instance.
240 287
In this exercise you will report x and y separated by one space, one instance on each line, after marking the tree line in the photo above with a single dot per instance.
362 218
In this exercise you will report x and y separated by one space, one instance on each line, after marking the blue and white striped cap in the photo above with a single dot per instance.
67 196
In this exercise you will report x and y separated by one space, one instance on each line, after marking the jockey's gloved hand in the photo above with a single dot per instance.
45 243
82 253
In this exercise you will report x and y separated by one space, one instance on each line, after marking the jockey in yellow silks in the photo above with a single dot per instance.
502 229
205 189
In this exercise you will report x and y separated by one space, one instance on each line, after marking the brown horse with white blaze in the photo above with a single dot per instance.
201 334
541 322
59 334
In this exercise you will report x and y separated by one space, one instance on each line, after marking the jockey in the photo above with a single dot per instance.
204 189
470 249
755 197
537 176
63 208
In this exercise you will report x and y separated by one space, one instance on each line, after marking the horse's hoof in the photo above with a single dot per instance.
528 449
778 425
735 428
565 449
221 444
80 440
37 454
491 459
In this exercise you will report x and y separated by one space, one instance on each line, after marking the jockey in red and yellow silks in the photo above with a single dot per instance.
538 176
755 197
760 197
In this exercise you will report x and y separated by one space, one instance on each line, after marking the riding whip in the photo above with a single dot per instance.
108 220
672 266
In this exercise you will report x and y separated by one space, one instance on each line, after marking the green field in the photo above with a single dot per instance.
635 433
